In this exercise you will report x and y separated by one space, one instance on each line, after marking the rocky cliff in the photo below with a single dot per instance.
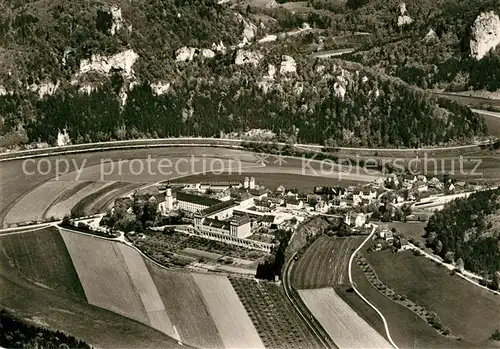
485 34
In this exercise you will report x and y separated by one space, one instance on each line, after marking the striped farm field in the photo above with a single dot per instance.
346 328
230 317
101 199
68 200
186 307
39 283
325 262
41 257
104 276
33 205
144 285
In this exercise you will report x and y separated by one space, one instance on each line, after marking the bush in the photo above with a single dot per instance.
496 335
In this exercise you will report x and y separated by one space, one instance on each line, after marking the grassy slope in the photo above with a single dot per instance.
493 124
56 299
185 307
42 257
406 328
104 275
415 230
58 311
469 311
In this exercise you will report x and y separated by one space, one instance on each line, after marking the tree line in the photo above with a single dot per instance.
465 229
18 334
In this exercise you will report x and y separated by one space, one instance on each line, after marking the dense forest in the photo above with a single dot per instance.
330 102
374 111
468 229
18 334
441 60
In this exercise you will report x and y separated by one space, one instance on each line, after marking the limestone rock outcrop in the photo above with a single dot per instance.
485 34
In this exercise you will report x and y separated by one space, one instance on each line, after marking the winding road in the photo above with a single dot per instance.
386 326
199 142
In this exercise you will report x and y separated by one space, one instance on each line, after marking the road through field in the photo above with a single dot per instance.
388 334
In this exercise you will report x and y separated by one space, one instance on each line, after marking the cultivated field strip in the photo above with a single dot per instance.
232 320
33 205
186 307
146 288
104 277
346 328
277 322
42 258
324 263
128 171
103 198
65 203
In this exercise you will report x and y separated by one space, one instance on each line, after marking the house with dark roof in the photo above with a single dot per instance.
193 203
266 221
294 203
221 210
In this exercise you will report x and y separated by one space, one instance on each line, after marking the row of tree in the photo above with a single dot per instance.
273 265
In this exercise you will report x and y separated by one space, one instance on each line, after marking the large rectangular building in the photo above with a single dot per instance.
194 203
237 226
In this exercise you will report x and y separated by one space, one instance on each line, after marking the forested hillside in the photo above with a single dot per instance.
309 109
433 51
469 229
106 70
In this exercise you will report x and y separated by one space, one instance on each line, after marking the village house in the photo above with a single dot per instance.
364 197
356 220
421 186
294 203
263 205
322 207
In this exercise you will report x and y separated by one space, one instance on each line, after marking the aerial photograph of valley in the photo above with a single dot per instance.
250 174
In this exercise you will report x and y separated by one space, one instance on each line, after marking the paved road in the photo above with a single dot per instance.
190 141
466 275
487 112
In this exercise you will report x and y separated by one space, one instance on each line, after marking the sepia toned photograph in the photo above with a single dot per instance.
249 174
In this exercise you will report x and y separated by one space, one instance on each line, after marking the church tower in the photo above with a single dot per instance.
169 200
